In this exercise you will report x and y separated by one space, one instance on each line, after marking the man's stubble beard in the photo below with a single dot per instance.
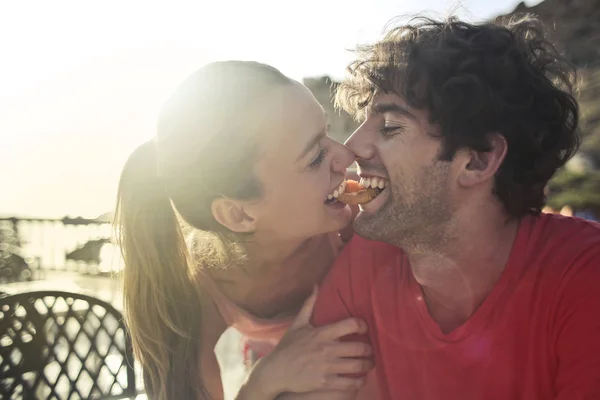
419 221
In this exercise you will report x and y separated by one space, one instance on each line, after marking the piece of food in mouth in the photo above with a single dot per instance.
356 194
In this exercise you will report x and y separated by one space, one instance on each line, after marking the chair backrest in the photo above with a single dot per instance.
60 345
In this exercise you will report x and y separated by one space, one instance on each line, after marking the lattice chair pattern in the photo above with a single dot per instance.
60 345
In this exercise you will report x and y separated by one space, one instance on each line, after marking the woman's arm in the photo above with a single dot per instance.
311 359
211 375
307 359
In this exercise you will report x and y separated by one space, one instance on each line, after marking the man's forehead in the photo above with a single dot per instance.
388 98
390 103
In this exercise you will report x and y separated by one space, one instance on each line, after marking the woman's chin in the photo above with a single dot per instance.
340 213
335 205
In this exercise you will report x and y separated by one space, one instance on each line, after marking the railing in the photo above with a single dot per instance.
70 244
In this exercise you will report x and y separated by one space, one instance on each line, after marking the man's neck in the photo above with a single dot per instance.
459 275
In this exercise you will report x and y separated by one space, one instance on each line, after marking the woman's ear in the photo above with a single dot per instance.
233 215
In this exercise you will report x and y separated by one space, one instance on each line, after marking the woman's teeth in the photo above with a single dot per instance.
339 190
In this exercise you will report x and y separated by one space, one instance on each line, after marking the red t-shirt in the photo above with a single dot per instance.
536 336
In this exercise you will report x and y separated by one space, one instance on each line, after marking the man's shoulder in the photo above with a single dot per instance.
566 248
557 222
566 237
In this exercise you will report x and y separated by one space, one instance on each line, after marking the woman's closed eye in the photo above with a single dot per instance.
318 160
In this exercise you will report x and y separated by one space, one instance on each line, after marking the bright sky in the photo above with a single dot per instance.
81 82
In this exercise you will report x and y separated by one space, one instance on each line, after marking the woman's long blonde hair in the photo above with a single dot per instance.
204 148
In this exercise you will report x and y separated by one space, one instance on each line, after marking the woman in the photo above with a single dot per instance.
242 160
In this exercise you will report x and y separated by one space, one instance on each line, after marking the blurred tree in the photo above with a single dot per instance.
579 190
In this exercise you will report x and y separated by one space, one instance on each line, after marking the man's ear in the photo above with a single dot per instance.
481 166
233 215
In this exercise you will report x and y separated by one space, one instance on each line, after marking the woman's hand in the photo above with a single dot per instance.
309 359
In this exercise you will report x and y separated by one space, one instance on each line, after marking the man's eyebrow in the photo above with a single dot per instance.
312 142
382 108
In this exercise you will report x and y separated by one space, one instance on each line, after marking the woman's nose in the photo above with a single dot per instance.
343 158
360 143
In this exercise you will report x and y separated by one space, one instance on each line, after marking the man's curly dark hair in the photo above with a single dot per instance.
475 80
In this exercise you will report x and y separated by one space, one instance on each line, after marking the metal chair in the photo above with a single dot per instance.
60 345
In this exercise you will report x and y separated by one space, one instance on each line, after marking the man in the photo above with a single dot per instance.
474 293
